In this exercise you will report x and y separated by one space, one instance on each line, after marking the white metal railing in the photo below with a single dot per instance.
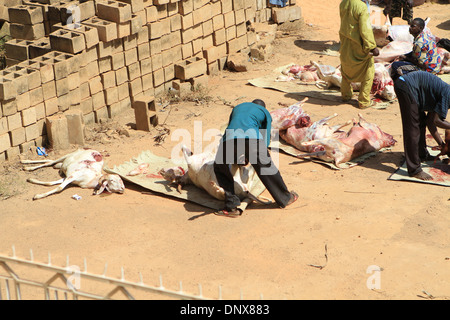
11 284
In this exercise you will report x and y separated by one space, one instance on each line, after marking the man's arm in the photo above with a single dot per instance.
434 122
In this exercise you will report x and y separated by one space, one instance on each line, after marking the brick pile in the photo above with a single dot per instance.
73 63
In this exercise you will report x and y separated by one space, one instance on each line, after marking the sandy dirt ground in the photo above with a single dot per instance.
322 247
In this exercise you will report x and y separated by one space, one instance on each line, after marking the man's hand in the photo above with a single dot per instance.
375 52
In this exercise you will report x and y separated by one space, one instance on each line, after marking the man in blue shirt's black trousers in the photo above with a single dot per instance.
245 141
424 100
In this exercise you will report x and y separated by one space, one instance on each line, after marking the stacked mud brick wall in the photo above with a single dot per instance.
73 62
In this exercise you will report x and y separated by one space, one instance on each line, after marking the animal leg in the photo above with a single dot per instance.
45 183
46 163
60 188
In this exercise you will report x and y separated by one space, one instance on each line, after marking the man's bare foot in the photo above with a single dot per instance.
423 176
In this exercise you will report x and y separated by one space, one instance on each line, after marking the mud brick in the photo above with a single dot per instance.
89 33
89 118
121 75
241 30
104 65
101 114
146 66
62 86
207 27
197 31
17 49
183 87
147 82
123 90
31 132
185 6
186 50
75 126
211 54
114 11
60 68
95 85
159 28
229 19
219 37
239 16
218 22
28 116
161 11
281 15
14 121
87 73
197 46
135 86
49 90
190 68
89 55
123 29
12 153
39 47
36 96
237 44
142 35
169 73
187 35
136 23
27 31
108 79
129 42
157 61
117 61
64 102
152 14
17 136
250 14
9 107
84 90
158 77
238 4
145 113
34 78
20 83
200 81
40 111
134 71
98 99
8 89
74 80
111 95
207 42
25 14
131 56
143 51
187 21
5 142
155 46
3 125
175 22
46 70
107 30
136 5
230 33
57 131
86 106
177 53
67 41
51 106
213 68
227 6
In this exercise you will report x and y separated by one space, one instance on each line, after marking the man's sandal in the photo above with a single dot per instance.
231 214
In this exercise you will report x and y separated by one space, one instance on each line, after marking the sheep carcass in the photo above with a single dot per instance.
284 118
296 135
83 168
363 137
200 172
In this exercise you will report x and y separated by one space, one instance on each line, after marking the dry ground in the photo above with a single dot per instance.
357 217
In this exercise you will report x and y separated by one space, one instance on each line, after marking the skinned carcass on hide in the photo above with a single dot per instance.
393 50
200 172
362 138
306 74
383 85
283 118
296 135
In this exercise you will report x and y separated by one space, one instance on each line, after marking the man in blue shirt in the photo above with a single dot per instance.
424 100
246 139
